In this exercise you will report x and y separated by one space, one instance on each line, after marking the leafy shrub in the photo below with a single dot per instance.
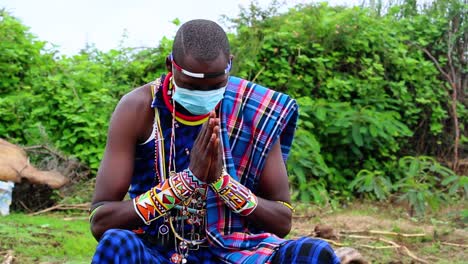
335 141
425 182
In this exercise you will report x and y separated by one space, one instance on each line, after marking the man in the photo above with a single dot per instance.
202 156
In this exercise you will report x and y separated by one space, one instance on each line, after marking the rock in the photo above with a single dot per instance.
349 255
325 231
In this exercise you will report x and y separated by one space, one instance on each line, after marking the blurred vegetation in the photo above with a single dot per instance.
381 93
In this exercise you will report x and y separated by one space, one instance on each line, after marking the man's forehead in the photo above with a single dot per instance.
202 70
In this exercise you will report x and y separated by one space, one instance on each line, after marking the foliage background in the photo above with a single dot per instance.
378 116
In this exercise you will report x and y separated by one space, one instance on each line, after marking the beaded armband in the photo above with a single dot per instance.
287 205
93 210
236 196
160 199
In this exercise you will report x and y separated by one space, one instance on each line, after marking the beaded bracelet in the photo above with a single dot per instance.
236 196
93 210
160 199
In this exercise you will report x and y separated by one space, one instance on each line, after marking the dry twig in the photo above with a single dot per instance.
378 232
25 207
258 74
83 206
409 253
376 247
8 258
455 245
392 243
75 218
303 216
358 236
50 150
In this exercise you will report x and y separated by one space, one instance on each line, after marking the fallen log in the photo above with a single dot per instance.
15 166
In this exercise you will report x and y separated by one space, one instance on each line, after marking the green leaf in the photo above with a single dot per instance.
449 180
373 131
357 137
320 113
414 167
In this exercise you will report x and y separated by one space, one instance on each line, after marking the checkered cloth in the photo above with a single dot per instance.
124 246
305 250
253 118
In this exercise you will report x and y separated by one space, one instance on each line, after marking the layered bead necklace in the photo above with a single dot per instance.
192 211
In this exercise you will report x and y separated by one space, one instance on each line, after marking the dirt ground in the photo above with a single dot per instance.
384 233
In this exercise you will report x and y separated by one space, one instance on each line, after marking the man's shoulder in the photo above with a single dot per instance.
137 97
248 88
133 113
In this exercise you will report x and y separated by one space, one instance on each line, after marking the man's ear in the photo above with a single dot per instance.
231 57
168 64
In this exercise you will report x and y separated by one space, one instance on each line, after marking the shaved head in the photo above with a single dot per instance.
204 40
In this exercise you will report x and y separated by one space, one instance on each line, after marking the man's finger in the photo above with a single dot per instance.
202 133
208 133
209 129
215 134
209 146
213 152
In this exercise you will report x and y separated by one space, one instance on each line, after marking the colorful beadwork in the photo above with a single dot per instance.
160 199
176 258
236 196
159 165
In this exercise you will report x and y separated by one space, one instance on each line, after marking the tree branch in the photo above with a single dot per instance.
446 75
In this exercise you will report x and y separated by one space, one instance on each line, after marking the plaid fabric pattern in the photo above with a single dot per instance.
253 118
124 246
304 251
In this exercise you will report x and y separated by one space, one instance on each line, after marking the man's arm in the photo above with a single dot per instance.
116 169
270 215
263 209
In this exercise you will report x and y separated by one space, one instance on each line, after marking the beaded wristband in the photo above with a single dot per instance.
160 199
236 196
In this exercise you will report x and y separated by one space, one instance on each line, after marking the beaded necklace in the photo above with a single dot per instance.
191 211
159 163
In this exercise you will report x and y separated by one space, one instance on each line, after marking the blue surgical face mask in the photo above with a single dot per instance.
198 102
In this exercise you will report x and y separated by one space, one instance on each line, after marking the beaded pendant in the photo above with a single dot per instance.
163 229
177 258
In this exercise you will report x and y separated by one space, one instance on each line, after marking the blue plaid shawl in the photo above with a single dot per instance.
252 119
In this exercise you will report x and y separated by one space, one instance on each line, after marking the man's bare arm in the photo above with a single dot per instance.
115 172
270 215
